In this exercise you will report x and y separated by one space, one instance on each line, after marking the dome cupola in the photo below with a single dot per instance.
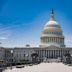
52 33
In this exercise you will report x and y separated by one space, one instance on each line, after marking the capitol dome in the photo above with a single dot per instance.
52 33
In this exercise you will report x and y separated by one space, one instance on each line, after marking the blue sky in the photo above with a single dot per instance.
22 21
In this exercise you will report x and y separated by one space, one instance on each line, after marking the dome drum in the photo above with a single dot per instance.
52 40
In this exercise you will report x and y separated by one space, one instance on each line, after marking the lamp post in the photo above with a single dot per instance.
71 58
27 56
11 57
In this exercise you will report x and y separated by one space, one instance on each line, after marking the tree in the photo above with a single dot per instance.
34 57
68 58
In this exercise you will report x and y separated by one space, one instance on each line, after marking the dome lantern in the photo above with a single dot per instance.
52 18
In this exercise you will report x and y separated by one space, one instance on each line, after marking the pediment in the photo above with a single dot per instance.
52 47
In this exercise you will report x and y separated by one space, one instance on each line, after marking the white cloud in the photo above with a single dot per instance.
3 38
68 40
5 32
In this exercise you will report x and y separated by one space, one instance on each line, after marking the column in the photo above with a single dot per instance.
50 53
55 39
47 53
53 53
52 39
49 39
62 41
39 53
43 53
59 40
59 53
56 53
46 39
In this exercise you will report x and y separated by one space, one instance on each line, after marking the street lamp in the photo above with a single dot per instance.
26 56
71 58
11 57
71 55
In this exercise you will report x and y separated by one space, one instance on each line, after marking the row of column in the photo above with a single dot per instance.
51 53
52 39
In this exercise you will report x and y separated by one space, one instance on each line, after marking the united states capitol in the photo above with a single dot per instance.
51 46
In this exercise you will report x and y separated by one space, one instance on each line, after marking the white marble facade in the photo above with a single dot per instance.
51 52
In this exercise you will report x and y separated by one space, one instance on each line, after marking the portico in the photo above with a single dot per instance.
51 52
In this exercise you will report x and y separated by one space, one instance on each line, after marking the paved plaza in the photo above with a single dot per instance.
43 67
